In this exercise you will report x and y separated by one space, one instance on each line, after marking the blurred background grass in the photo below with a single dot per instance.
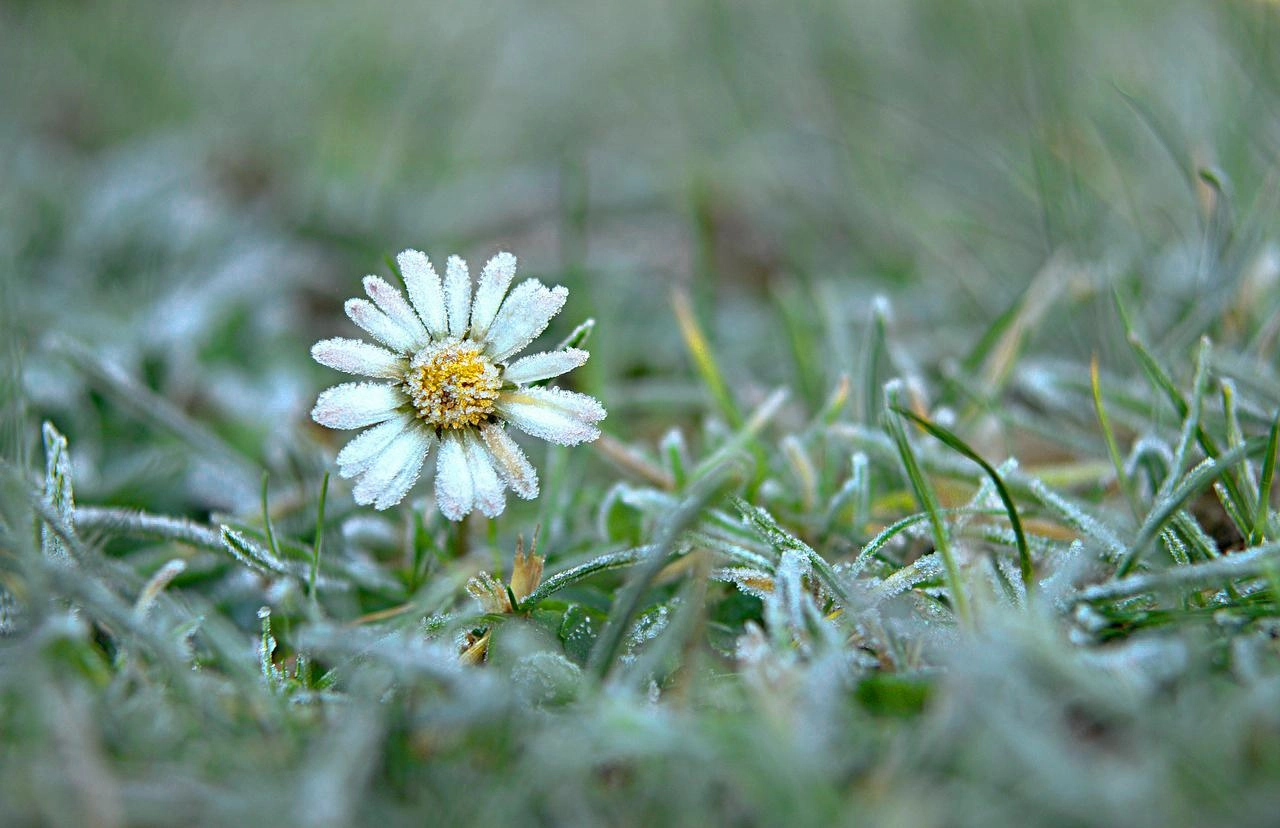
191 187
188 191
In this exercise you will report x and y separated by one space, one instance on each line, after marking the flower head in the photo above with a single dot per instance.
448 382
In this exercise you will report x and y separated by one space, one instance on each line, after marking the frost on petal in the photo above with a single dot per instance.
544 366
379 325
523 316
455 493
457 295
357 404
358 455
488 488
494 281
391 302
580 406
423 284
395 470
354 356
514 467
553 414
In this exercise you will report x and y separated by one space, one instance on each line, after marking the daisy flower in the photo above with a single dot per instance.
448 382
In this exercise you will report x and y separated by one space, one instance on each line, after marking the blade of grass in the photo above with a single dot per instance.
1200 477
1175 149
1161 381
1190 425
675 454
1251 563
704 359
928 502
745 435
266 520
319 540
854 489
894 529
802 470
1264 485
578 337
1194 536
605 563
251 554
604 654
998 364
1235 435
953 442
873 348
783 541
836 402
1113 448
794 308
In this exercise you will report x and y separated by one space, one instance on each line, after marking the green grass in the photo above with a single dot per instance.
939 341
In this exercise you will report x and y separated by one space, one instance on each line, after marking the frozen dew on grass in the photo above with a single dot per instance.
10 613
446 379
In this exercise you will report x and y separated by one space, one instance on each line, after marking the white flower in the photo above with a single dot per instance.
448 381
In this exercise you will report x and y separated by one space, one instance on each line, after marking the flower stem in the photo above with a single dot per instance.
462 538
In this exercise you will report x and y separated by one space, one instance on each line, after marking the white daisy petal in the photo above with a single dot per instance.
355 356
379 325
357 404
395 470
488 488
457 295
544 366
423 284
523 316
391 302
358 455
404 479
553 414
579 406
455 493
510 461
494 281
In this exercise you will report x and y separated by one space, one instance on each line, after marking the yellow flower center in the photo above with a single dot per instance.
453 385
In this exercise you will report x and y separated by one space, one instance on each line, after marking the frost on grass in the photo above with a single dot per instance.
58 494
1093 529
757 582
925 568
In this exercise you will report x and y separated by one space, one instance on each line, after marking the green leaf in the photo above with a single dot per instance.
578 632
887 694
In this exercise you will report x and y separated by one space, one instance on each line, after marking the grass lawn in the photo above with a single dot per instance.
938 343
